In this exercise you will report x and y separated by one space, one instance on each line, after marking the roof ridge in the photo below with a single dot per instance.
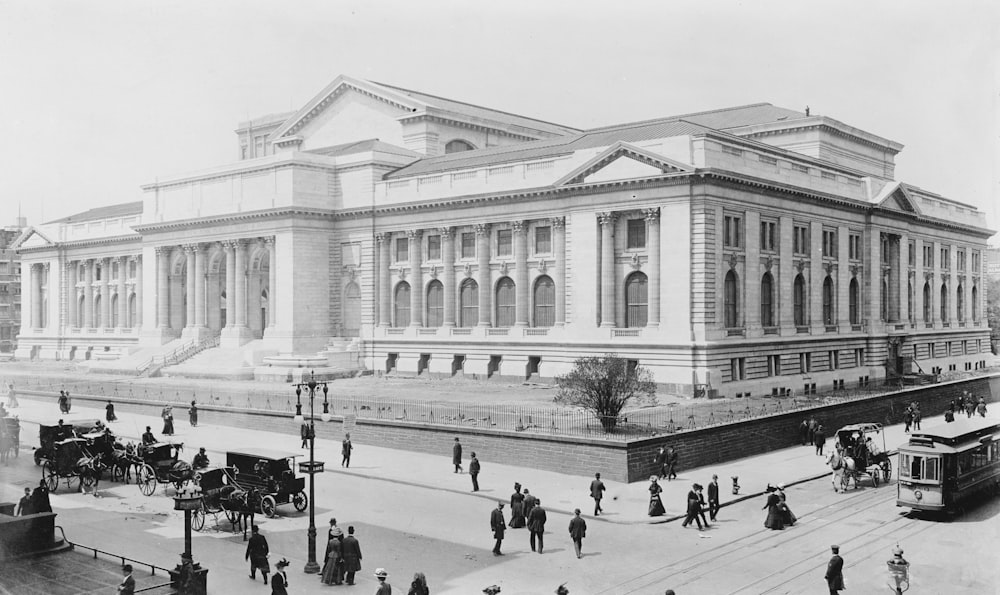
125 206
679 117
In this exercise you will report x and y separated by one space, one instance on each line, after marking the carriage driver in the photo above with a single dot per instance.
200 460
873 449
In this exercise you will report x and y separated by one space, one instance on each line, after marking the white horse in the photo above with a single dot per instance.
841 464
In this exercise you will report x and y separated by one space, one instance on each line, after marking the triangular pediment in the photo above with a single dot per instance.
32 238
623 161
900 199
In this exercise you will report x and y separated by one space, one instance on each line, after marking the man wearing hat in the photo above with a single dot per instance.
257 552
127 586
456 455
350 550
186 576
498 525
834 571
279 584
474 472
384 588
200 460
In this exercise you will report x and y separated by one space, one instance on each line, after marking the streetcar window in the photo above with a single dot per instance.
931 468
904 465
928 468
916 471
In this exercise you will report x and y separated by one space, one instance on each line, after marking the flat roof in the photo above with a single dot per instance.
950 431
264 453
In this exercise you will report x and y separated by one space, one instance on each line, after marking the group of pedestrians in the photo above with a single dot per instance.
967 404
779 515
34 501
343 556
695 505
812 433
535 522
912 417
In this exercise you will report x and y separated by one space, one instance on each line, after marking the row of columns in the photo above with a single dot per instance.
103 289
483 278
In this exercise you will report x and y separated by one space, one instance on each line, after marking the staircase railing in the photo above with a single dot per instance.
180 355
162 357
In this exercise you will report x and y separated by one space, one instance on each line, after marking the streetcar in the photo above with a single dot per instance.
943 467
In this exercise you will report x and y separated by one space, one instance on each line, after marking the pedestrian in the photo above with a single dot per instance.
835 571
127 586
693 508
63 399
11 396
200 460
981 407
661 462
577 531
960 406
907 419
257 552
597 492
351 552
820 439
536 524
345 451
949 416
498 525
456 455
331 574
474 472
384 588
775 519
970 406
40 498
304 433
193 414
917 416
517 520
24 504
951 405
671 463
334 529
701 503
813 424
186 579
655 504
804 431
109 412
419 585
279 585
713 497
787 515
168 420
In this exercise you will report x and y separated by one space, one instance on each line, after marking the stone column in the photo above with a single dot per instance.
559 238
36 296
902 264
416 278
485 277
137 284
873 273
384 278
607 221
241 284
230 248
272 281
189 251
521 273
105 293
199 286
122 293
448 262
72 305
653 274
918 283
162 287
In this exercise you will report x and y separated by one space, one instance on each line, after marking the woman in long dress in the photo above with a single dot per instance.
168 420
655 504
334 559
787 515
517 508
11 396
774 518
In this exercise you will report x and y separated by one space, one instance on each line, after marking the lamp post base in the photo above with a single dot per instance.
311 568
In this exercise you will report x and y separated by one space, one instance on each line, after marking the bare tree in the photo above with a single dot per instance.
604 385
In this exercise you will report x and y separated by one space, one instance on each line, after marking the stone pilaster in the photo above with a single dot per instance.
414 237
559 241
448 262
485 276
521 273
607 274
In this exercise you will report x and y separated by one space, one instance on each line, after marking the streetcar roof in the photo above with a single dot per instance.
263 453
958 431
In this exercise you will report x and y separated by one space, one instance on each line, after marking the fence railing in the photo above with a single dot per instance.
122 559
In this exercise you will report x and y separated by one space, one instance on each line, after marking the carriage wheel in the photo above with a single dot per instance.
50 477
146 480
38 458
198 518
300 501
268 506
887 470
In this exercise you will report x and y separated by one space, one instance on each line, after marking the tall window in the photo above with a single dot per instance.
975 261
768 236
830 243
854 297
504 245
854 246
402 249
960 303
468 245
828 309
975 304
435 304
636 233
944 302
884 304
799 300
545 302
636 300
928 257
469 302
960 260
506 300
767 300
402 305
910 297
543 240
732 309
928 304
945 258
800 240
433 247
732 231
911 253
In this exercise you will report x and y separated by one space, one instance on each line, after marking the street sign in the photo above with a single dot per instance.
309 468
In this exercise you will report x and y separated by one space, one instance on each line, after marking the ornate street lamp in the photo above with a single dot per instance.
899 571
313 466
188 499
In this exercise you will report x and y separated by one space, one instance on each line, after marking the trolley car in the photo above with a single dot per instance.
941 468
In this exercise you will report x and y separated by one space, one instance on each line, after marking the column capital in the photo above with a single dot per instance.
163 250
607 218
482 229
414 234
557 222
651 215
269 241
137 258
446 232
69 265
123 259
519 226
383 237
46 266
191 248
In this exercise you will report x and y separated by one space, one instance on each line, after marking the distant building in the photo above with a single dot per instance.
10 287
993 262
746 250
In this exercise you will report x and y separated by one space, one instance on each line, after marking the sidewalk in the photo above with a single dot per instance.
623 503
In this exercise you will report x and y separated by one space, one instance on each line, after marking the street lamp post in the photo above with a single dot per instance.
314 466
188 499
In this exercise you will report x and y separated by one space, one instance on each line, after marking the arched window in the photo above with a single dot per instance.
975 304
928 303
799 300
132 320
854 297
944 302
80 317
114 311
731 297
469 300
435 304
767 300
98 323
829 313
960 303
636 300
402 303
457 146
545 302
884 308
506 300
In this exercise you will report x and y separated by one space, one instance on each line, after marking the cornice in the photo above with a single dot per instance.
264 167
826 127
436 118
263 214
83 243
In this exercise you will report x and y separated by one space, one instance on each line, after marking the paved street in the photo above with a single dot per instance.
412 514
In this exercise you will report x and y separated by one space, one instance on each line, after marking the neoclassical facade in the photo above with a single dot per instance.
746 250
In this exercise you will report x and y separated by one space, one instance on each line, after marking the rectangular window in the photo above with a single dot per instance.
767 160
800 168
3 268
834 360
805 363
732 231
828 175
960 259
975 261
859 357
402 249
928 257
505 246
737 368
543 240
945 258
854 246
768 235
774 365
433 247
911 254
636 233
800 243
468 245
830 243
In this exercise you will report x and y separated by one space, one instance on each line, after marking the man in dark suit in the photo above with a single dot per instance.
456 455
350 551
671 463
661 462
24 504
498 525
147 437
577 531
536 524
597 492
820 439
529 502
713 498
835 571
127 586
257 552
474 472
693 509
345 451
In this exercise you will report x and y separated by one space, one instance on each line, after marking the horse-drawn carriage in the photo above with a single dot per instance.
220 494
272 475
70 460
160 464
49 435
857 452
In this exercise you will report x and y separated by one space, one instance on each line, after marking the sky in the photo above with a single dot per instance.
100 97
